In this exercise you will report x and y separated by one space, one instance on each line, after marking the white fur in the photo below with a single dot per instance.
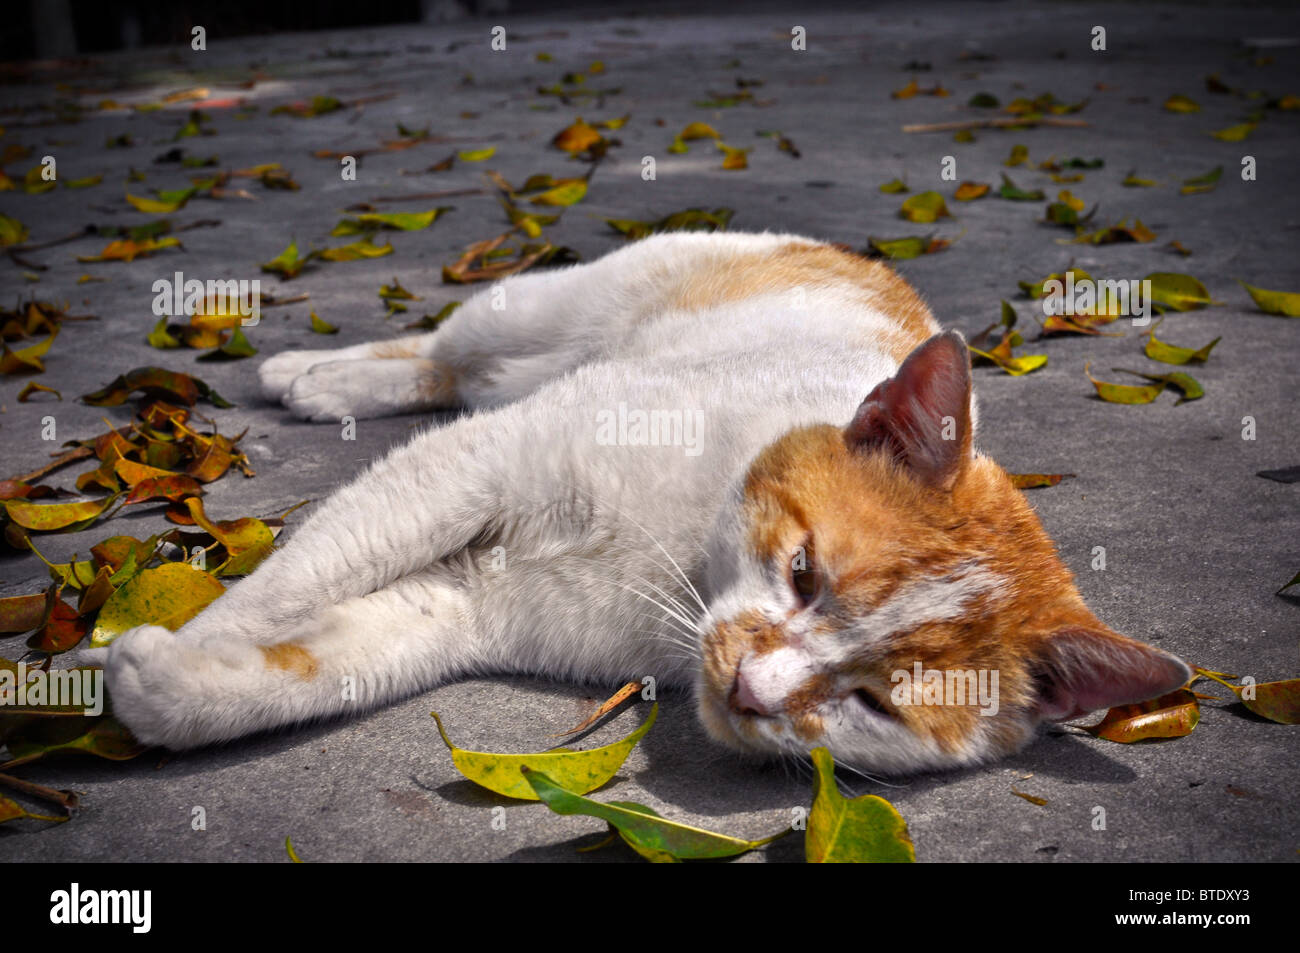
396 582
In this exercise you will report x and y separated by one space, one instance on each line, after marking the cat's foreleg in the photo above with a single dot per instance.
349 657
420 504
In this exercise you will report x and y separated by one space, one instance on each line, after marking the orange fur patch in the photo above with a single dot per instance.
292 658
436 383
804 265
403 347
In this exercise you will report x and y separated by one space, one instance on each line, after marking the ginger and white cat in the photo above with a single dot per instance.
669 469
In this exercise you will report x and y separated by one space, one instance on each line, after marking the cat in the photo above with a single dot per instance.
739 463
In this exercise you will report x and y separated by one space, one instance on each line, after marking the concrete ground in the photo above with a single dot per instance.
1196 543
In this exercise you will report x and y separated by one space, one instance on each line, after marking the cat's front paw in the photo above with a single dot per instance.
173 693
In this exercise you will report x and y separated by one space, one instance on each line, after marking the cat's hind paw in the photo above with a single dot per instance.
278 373
378 387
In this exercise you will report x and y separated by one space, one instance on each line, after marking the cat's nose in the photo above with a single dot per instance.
743 699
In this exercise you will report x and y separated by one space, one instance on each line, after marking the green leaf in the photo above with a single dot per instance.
1276 701
655 838
401 221
103 737
288 263
1019 154
168 595
691 219
477 155
1167 353
1286 303
1235 133
984 101
924 207
1133 182
1181 104
1015 366
322 327
894 186
1191 388
1177 291
237 347
562 195
160 338
356 251
1125 393
1010 190
11 810
579 771
48 517
864 830
1202 183
12 231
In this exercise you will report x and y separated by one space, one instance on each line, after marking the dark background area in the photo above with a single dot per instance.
43 29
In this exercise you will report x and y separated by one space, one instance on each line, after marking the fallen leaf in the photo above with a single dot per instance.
576 771
1010 190
103 737
50 517
11 810
924 207
168 595
401 221
563 195
894 186
129 249
1235 133
1167 353
691 219
1169 716
1181 104
655 838
355 251
866 829
1029 481
1285 303
1178 292
1189 386
322 327
1019 155
1125 393
578 137
1202 183
970 191
903 249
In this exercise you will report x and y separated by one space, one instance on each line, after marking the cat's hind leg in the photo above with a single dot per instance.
349 657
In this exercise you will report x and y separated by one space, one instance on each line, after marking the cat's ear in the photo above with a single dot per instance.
922 414
1088 668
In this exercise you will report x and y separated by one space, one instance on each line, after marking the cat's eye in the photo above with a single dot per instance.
803 573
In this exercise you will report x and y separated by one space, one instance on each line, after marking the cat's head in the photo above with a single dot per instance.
882 590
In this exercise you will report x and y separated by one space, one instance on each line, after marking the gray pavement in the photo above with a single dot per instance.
1196 543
